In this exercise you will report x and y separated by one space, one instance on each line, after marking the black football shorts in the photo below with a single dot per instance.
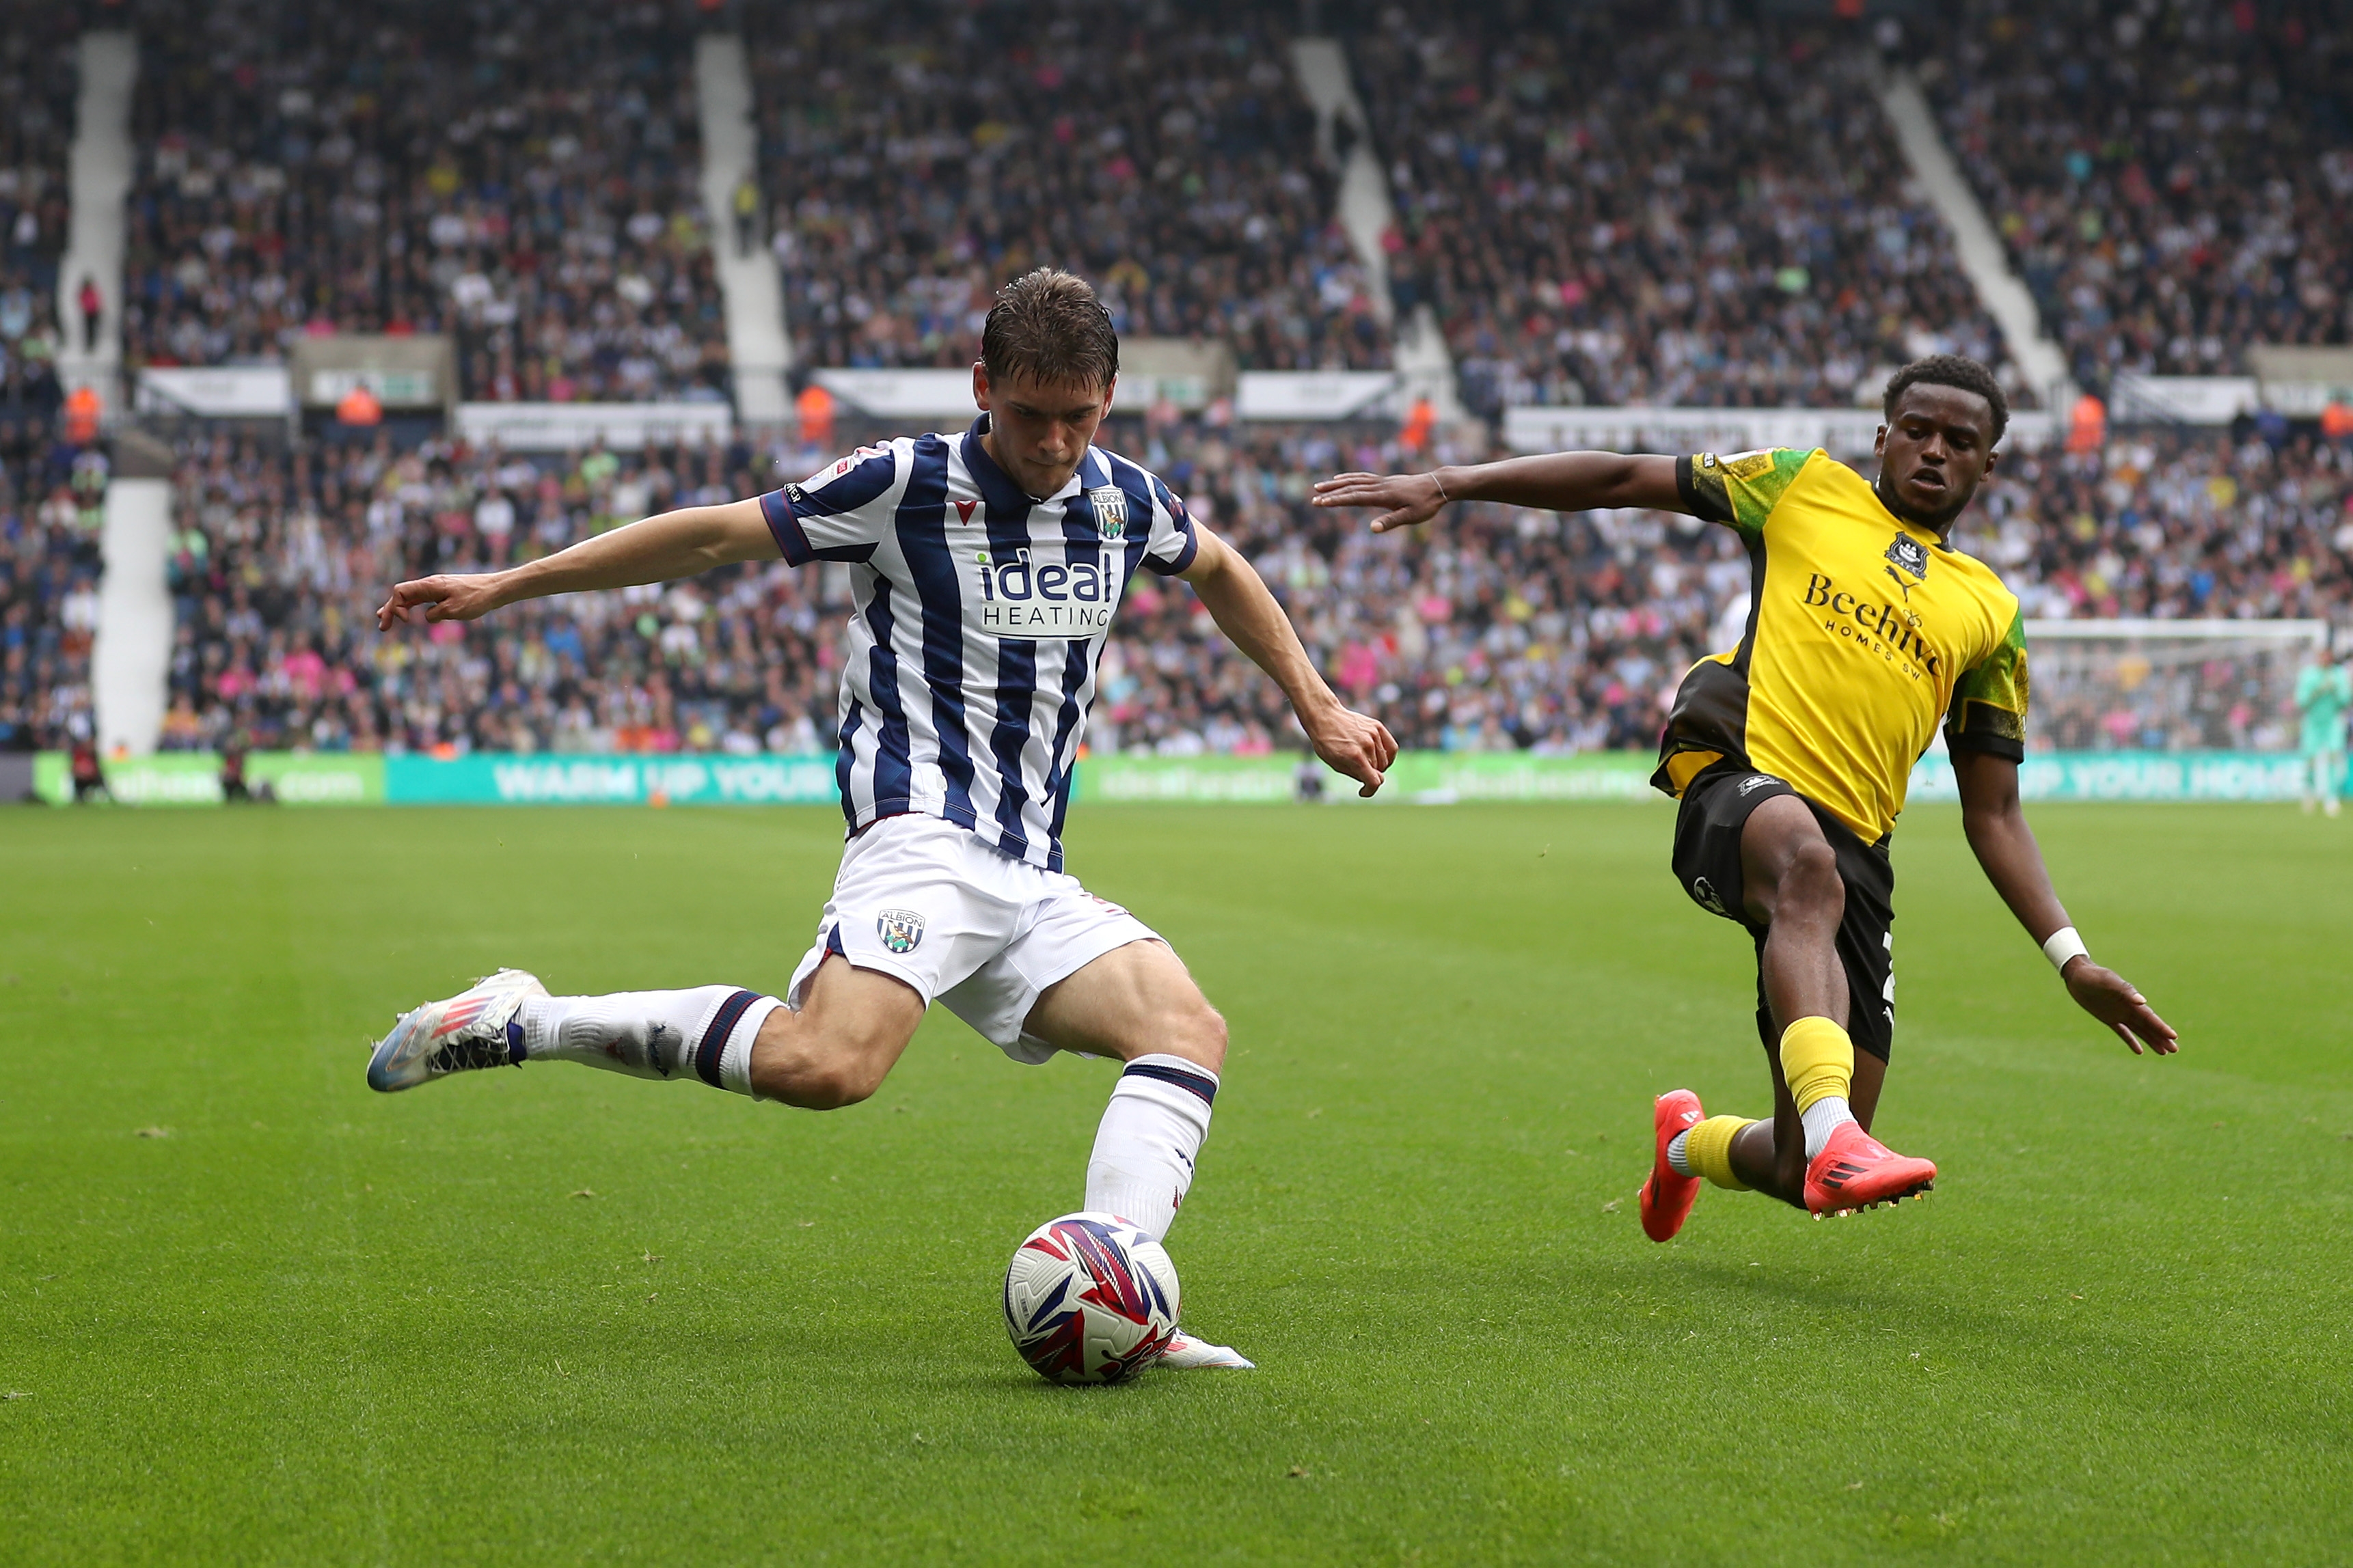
1714 809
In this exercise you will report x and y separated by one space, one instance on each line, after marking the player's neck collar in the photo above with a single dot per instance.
1943 536
1000 489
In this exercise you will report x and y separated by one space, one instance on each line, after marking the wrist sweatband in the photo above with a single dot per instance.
2063 945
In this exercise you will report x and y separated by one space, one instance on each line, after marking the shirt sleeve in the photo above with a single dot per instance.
1173 543
1740 492
1989 712
841 511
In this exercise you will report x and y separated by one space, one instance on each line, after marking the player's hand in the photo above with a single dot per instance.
1356 745
2110 997
440 598
1407 501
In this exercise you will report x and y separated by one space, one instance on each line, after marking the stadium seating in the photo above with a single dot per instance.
522 177
1611 212
1508 629
917 156
1621 211
49 557
52 502
2171 181
283 560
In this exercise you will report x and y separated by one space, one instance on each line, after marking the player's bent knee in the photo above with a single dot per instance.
818 1069
822 1082
1811 882
1204 1031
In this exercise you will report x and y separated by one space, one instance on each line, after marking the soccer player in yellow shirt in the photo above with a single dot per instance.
1790 754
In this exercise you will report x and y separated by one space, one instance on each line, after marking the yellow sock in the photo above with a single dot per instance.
1709 1149
1818 1060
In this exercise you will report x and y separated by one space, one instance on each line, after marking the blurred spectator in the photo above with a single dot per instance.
2171 179
1607 207
919 154
93 311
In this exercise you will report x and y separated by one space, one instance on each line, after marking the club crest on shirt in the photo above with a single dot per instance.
1110 505
1911 555
901 930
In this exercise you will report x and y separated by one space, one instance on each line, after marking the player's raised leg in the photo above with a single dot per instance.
1138 1004
1816 1154
835 1051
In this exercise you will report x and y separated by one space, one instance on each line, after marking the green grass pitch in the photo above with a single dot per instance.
250 1312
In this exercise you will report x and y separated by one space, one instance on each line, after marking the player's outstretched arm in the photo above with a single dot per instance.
1996 824
1238 600
1559 482
674 545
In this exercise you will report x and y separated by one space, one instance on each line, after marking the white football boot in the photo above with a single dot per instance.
1185 1353
478 1027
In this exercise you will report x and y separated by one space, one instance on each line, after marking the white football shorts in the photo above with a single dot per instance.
927 903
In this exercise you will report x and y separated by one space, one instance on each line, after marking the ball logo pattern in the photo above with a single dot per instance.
1090 1298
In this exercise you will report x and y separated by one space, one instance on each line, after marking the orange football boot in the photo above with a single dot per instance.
1668 1195
1855 1170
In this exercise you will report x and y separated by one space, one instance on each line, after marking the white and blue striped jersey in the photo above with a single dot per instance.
979 617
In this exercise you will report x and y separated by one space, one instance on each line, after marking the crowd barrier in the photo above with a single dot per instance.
327 778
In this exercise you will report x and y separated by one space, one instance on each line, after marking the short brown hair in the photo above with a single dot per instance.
1047 326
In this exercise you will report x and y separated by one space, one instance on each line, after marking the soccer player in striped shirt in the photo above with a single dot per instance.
987 568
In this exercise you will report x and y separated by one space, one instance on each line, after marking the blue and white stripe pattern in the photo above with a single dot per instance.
980 615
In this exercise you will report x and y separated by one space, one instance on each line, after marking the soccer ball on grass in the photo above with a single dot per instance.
1090 1298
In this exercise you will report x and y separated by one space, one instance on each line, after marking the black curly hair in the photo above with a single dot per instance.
1950 370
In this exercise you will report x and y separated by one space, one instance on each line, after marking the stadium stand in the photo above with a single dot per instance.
2171 180
522 177
1509 630
283 557
1744 238
1620 211
49 508
917 156
52 501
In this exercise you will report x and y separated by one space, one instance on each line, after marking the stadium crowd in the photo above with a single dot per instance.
1619 210
2171 178
522 177
49 503
52 504
917 156
1508 628
37 80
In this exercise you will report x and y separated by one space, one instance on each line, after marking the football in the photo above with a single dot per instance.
1090 1298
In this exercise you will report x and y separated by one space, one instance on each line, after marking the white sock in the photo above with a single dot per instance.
705 1033
1822 1118
1678 1156
1151 1133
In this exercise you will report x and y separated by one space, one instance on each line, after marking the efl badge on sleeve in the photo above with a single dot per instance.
901 930
1110 505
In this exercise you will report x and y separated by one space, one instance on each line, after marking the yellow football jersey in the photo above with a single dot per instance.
1864 632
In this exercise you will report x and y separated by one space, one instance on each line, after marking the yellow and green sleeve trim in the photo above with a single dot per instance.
1740 492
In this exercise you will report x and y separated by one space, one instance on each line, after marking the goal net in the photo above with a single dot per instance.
2166 686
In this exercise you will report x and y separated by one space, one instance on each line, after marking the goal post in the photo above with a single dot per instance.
2166 686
